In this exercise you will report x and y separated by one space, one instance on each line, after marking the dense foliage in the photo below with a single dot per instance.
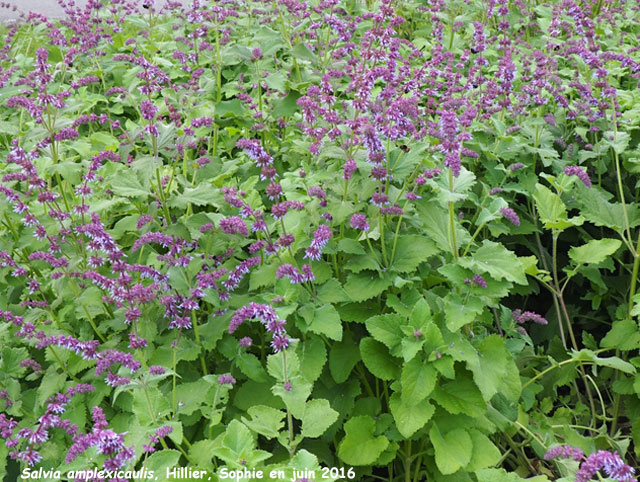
398 238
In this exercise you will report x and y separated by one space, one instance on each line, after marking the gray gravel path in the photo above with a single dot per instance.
50 8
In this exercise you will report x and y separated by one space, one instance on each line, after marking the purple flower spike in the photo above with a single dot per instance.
510 215
580 173
359 221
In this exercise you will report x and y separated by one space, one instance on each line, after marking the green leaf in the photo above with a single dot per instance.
201 195
595 251
326 321
342 359
460 396
250 365
364 286
412 250
191 396
332 292
200 453
410 418
276 364
52 383
360 446
452 450
151 399
418 380
158 462
498 261
435 224
124 184
501 475
295 398
234 107
10 362
485 453
351 246
552 210
263 276
302 52
386 329
318 416
287 106
420 315
377 359
276 81
313 356
459 311
495 370
624 335
610 361
265 420
596 209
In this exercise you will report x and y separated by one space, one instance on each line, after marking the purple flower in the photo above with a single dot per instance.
279 343
349 168
226 379
564 452
148 110
234 225
156 370
580 173
516 167
510 215
359 221
320 239
379 199
522 317
479 281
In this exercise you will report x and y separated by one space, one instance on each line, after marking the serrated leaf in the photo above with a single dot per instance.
326 321
484 454
364 286
452 450
250 365
295 397
313 356
410 418
302 52
596 209
318 416
201 195
411 250
266 421
460 396
624 335
360 446
342 359
377 359
200 453
332 292
595 251
158 462
386 329
124 184
495 370
501 475
498 261
461 311
418 380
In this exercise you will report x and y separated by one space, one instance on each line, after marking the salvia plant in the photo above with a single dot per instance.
391 240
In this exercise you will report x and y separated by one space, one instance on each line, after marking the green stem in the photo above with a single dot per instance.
195 331
452 225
